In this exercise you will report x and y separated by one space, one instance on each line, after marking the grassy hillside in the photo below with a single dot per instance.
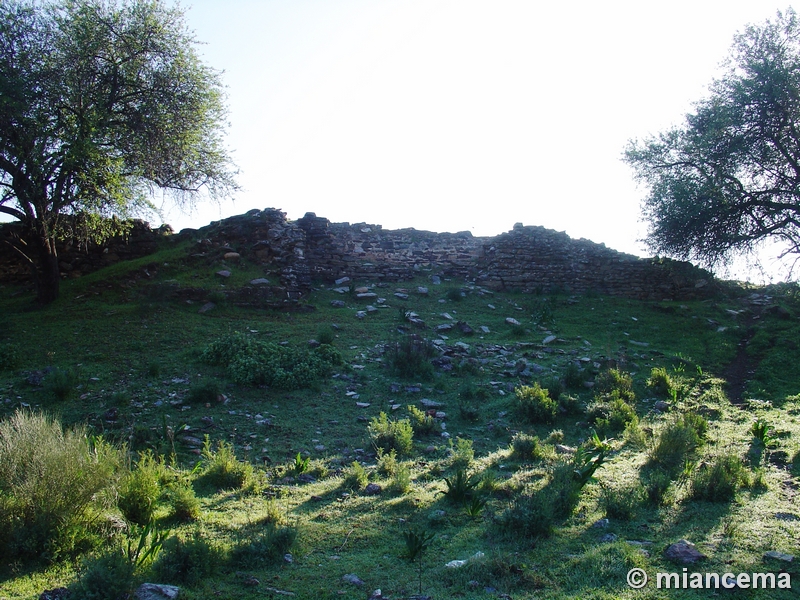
508 478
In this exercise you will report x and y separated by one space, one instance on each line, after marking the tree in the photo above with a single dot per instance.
102 102
729 179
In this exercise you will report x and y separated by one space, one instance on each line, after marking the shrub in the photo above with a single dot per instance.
139 491
401 481
719 480
611 414
62 384
391 435
574 376
410 358
184 502
205 392
615 380
525 447
569 404
325 337
462 453
534 404
660 381
109 576
9 357
454 295
253 362
187 561
222 470
621 502
555 437
460 487
356 477
680 437
267 547
387 462
657 488
50 482
421 422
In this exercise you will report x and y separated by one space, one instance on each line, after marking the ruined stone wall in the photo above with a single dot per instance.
297 253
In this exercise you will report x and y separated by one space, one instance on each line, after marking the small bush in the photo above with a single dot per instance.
356 477
534 404
254 362
621 502
205 392
555 437
184 502
325 337
187 561
661 382
62 384
615 380
109 576
525 447
410 358
222 470
570 404
421 422
529 516
391 435
657 487
680 437
387 462
9 357
454 295
139 491
462 453
401 480
267 547
460 487
51 482
574 376
611 414
719 480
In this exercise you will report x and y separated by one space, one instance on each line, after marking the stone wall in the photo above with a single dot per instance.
297 253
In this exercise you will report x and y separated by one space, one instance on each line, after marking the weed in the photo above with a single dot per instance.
474 506
391 435
525 447
462 453
109 576
401 480
611 414
301 464
555 437
719 480
205 392
570 405
460 487
634 435
761 432
574 376
50 481
187 560
421 422
145 551
682 435
416 542
325 337
534 404
222 470
387 462
657 488
356 477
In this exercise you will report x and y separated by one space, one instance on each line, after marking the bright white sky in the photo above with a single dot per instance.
457 115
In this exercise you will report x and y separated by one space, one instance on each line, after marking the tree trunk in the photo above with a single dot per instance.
46 275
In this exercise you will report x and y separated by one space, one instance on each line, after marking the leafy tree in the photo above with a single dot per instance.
101 103
729 178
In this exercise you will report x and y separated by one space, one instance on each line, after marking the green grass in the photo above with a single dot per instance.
135 345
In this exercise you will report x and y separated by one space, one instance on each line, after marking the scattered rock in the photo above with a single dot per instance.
782 516
422 290
207 307
224 273
608 538
562 449
259 281
485 329
779 556
288 558
430 403
373 489
342 280
337 303
231 256
600 524
61 593
513 321
376 595
683 552
661 406
548 339
352 578
361 314
156 591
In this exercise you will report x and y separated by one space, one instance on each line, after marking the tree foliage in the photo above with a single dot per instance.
729 178
101 103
